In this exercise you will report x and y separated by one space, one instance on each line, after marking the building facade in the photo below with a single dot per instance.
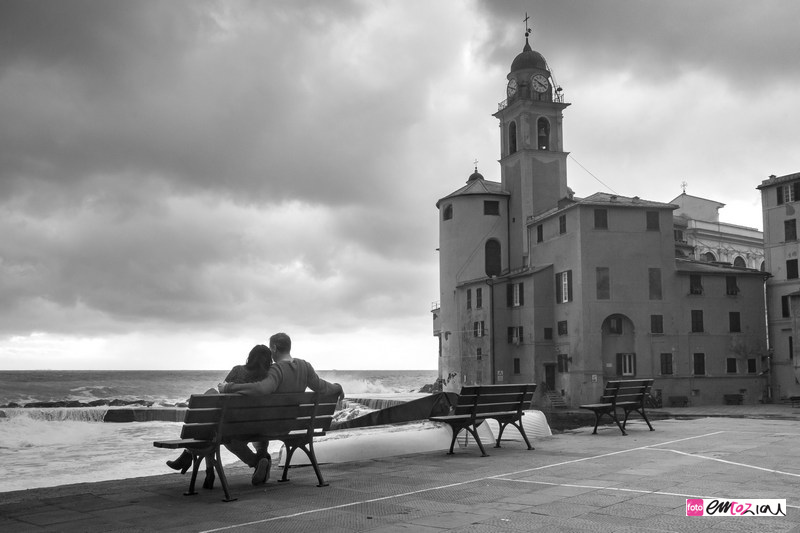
779 203
538 285
700 235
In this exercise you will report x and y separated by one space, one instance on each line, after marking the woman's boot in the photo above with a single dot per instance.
182 463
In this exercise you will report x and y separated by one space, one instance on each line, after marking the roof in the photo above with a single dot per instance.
777 180
678 199
615 200
701 267
477 187
528 58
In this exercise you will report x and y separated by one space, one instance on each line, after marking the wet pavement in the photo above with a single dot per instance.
572 481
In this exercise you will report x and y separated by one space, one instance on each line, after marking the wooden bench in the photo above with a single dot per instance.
216 419
504 403
732 399
625 394
679 401
795 401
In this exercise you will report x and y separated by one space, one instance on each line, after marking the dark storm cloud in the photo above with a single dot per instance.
748 43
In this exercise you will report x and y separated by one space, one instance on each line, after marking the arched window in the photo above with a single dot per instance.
492 256
512 137
739 262
763 266
709 257
543 134
447 213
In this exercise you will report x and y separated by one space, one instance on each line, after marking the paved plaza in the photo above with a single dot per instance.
572 481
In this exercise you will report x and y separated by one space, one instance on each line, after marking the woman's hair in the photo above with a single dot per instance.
259 360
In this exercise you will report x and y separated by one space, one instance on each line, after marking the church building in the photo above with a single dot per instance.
540 286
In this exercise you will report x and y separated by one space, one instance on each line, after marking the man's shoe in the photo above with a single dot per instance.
261 475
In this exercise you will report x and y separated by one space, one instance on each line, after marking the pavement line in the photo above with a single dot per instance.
602 455
619 489
732 462
440 487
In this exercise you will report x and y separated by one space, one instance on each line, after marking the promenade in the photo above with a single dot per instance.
572 481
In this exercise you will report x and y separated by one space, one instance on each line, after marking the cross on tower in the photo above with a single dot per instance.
527 29
476 165
683 186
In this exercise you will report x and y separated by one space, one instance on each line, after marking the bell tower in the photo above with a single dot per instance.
533 162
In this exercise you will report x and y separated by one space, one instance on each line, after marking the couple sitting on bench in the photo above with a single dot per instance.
258 377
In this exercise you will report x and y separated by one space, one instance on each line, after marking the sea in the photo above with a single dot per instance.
53 446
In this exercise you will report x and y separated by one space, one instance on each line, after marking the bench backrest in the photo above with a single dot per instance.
224 417
628 390
481 399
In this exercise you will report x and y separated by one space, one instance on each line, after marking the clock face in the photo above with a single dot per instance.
511 90
539 83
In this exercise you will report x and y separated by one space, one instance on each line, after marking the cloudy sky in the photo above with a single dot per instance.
180 179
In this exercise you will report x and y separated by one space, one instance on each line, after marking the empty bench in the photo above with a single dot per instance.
504 403
732 399
216 419
795 401
627 395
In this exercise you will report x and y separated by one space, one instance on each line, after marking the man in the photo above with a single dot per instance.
287 374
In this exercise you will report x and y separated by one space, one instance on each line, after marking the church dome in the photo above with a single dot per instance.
528 58
475 176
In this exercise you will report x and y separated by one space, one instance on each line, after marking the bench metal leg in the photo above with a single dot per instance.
519 427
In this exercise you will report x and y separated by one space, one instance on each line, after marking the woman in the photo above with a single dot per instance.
255 369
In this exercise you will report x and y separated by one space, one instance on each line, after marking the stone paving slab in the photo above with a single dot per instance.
573 481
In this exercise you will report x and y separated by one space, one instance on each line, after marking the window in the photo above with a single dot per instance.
512 137
656 324
785 309
516 335
791 269
666 364
708 257
654 278
478 329
516 365
697 321
678 233
562 224
515 294
539 233
478 298
492 259
695 284
615 325
564 287
731 287
600 219
699 364
652 221
788 193
730 365
626 364
603 283
491 207
563 363
447 214
469 298
543 131
735 321
790 229
548 334
479 353
562 327
739 262
791 348
751 366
